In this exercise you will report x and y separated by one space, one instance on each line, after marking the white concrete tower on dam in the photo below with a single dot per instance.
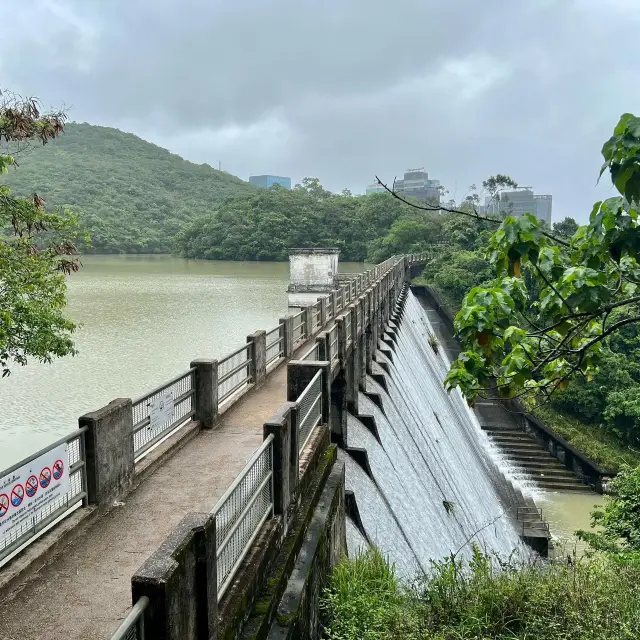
311 274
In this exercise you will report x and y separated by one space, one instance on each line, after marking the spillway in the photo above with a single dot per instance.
435 484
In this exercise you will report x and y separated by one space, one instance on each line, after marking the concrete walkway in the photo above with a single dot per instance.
85 592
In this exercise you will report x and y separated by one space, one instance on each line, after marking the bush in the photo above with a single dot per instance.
485 598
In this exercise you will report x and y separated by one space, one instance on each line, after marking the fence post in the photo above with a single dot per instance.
279 425
206 392
342 337
307 318
334 302
180 580
109 451
323 310
321 341
258 356
286 333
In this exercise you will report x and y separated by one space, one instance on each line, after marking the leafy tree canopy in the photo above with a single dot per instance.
132 196
36 247
547 315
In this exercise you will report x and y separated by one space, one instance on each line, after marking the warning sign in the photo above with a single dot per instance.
58 469
161 410
32 488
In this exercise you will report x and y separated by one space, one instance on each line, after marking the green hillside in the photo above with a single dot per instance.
133 195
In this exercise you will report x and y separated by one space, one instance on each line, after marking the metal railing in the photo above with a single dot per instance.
309 409
531 518
153 418
234 372
328 308
339 300
275 344
358 319
241 512
311 354
132 627
347 328
298 326
38 518
332 342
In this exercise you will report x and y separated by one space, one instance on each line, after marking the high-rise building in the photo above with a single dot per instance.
268 181
375 188
416 183
521 201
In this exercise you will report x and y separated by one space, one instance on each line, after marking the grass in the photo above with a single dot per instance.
605 450
483 599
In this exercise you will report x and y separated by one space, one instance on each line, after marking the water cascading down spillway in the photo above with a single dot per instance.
435 485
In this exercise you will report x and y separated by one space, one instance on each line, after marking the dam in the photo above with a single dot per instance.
214 505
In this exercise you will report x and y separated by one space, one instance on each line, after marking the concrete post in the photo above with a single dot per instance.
307 316
206 397
286 333
361 354
354 322
342 339
180 580
321 341
334 302
280 427
338 411
323 311
258 357
109 451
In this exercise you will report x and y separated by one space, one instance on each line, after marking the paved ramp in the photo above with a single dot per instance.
85 592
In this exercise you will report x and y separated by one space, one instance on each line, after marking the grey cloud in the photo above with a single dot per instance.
345 89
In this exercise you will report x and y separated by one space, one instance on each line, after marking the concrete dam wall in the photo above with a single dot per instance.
431 483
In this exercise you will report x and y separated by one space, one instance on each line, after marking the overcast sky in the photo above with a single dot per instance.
345 89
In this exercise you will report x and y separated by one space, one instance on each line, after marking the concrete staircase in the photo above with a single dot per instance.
524 452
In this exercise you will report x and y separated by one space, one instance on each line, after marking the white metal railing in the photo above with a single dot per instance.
309 409
328 305
298 326
132 627
347 328
358 319
234 372
339 299
25 483
332 342
311 354
275 344
161 411
241 512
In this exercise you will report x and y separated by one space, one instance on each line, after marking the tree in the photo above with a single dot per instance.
619 521
37 248
544 318
565 228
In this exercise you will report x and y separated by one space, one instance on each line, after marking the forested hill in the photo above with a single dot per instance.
133 195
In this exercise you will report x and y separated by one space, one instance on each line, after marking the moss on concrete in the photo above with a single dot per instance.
264 609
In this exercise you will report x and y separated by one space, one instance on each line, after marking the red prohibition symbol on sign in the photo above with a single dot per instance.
31 486
58 469
17 495
45 477
4 504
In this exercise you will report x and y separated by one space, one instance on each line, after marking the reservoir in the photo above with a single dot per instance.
142 320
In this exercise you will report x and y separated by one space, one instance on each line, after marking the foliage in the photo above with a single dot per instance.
264 225
132 196
595 440
619 521
36 247
364 601
486 598
545 318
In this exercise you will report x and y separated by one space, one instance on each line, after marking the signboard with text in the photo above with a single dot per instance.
161 410
32 488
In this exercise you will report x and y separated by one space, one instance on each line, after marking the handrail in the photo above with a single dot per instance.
132 627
